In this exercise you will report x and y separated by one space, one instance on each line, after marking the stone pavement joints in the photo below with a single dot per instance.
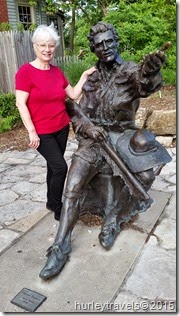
150 284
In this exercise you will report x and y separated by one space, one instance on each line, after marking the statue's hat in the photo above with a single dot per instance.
141 151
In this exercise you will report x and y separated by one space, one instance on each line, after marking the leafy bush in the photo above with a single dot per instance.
32 27
73 69
143 26
9 114
169 69
5 26
20 27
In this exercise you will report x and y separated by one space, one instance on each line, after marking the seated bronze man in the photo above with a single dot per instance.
114 158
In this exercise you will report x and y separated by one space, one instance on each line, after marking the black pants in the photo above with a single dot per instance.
52 148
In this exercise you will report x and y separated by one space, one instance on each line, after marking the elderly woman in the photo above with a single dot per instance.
41 89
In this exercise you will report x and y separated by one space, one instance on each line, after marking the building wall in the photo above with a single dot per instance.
9 13
41 17
12 13
3 11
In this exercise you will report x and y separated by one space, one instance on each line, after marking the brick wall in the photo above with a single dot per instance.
3 11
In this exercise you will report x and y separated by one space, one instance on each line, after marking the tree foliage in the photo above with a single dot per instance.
143 26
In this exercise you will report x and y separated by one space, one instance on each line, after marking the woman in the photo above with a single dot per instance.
41 89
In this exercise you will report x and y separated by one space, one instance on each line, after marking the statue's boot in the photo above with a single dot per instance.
66 244
55 262
57 257
109 232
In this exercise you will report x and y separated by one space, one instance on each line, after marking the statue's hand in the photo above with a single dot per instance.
152 63
95 132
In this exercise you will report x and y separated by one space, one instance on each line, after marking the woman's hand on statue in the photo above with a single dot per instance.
89 72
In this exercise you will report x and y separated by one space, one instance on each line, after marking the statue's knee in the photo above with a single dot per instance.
146 177
72 191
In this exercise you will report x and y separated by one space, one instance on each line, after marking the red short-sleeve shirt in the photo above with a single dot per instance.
46 101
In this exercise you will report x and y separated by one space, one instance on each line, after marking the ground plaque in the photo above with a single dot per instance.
28 300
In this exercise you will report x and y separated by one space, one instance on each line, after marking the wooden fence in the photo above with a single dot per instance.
15 49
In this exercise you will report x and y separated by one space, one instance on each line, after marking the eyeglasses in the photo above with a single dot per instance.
44 46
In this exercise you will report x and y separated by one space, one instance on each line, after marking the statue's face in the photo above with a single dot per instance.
105 47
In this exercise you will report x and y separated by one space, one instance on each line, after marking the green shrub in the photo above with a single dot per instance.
73 69
32 27
143 26
20 27
9 114
5 26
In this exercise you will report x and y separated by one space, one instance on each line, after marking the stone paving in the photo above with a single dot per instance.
23 191
148 284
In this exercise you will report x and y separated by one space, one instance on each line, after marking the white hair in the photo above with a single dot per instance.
46 33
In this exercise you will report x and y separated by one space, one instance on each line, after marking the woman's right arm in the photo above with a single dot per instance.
21 99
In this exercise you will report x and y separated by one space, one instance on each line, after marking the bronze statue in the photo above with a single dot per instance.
114 157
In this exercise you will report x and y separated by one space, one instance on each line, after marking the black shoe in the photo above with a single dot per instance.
57 213
55 262
49 206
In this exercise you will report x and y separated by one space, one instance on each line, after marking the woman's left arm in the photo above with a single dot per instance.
75 92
